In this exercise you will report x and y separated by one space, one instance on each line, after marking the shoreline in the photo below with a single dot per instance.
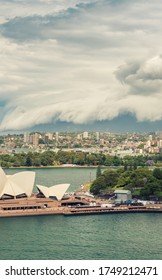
58 166
64 211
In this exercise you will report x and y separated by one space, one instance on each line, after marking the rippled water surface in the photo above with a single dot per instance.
106 236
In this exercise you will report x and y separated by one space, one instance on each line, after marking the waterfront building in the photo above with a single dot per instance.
17 185
21 185
57 191
122 195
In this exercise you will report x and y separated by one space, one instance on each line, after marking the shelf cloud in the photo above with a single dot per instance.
79 61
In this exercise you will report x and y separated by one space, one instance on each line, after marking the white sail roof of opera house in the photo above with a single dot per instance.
17 184
58 190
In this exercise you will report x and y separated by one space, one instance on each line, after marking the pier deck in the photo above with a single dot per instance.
68 211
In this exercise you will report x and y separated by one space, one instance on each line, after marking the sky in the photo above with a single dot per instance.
80 64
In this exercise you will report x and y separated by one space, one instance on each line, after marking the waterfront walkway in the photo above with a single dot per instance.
67 211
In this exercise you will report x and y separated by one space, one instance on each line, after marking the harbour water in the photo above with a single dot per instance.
107 236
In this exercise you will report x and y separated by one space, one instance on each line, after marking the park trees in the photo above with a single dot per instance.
98 185
98 171
141 180
105 182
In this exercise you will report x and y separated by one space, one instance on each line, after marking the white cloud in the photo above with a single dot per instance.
143 79
22 8
92 62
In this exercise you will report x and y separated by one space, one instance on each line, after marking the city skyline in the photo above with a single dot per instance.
121 145
81 65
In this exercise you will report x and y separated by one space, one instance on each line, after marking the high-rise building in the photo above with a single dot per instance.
97 136
31 139
57 136
150 137
148 143
160 143
46 139
85 135
35 139
79 136
50 135
27 137
102 141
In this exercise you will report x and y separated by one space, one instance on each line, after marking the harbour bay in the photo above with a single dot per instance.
113 236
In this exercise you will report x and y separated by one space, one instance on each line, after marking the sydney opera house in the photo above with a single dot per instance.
17 185
18 199
21 185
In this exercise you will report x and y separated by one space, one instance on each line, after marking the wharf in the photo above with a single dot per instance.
32 206
31 212
113 210
66 211
35 206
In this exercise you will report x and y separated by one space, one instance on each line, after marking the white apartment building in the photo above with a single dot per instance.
85 135
27 137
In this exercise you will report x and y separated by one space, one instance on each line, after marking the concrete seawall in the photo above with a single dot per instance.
66 211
